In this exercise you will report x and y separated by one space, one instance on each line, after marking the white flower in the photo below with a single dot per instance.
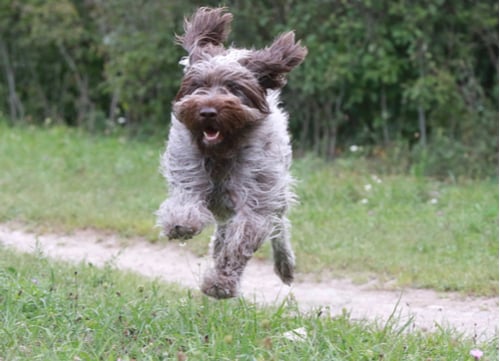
433 201
364 201
368 187
354 148
476 353
299 334
376 179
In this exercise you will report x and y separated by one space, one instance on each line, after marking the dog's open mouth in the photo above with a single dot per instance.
211 135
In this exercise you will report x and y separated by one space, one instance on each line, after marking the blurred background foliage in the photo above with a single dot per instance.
412 86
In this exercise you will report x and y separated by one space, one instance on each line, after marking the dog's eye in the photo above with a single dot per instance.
200 91
231 86
249 96
188 86
236 90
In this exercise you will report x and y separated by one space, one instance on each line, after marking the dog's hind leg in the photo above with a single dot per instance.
243 235
284 258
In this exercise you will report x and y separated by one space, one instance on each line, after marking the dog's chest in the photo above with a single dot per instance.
221 199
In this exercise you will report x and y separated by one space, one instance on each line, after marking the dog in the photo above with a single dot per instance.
228 152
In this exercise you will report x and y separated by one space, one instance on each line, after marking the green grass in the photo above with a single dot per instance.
351 223
416 231
65 179
55 311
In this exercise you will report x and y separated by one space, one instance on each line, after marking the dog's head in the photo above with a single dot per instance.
224 91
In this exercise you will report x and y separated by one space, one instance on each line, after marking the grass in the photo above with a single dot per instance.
65 179
351 222
55 311
419 232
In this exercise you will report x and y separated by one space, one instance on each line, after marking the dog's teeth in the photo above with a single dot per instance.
211 136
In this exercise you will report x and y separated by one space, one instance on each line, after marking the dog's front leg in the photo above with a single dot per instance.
182 217
217 241
243 235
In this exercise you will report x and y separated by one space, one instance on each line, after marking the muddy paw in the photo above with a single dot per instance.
219 286
284 270
181 232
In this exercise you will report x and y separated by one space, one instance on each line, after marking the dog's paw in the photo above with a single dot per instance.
284 270
219 286
182 232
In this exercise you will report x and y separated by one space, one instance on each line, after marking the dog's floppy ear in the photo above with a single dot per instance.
271 64
205 32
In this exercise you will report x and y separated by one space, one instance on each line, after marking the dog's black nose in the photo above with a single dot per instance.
208 112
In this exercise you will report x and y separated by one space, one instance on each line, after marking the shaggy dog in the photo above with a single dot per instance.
228 154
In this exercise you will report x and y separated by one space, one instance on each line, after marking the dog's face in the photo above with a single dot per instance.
223 92
218 101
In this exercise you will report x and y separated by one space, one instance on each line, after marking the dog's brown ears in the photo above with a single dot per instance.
271 64
205 32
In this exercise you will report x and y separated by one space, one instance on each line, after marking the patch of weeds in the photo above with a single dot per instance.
54 311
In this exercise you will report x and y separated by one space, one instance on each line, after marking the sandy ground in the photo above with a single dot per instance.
428 310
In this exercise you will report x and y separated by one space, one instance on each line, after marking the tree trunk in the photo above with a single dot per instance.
15 105
84 105
422 125
113 106
47 111
316 130
384 116
330 130
332 123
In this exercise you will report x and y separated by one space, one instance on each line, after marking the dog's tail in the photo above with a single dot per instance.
208 27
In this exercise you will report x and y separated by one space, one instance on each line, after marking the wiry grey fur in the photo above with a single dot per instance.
228 155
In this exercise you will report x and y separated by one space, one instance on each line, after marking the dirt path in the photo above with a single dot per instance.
476 317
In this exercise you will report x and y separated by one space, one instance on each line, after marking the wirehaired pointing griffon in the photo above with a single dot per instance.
228 154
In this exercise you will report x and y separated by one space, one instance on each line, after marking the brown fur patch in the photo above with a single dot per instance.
272 63
205 32
240 84
232 120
